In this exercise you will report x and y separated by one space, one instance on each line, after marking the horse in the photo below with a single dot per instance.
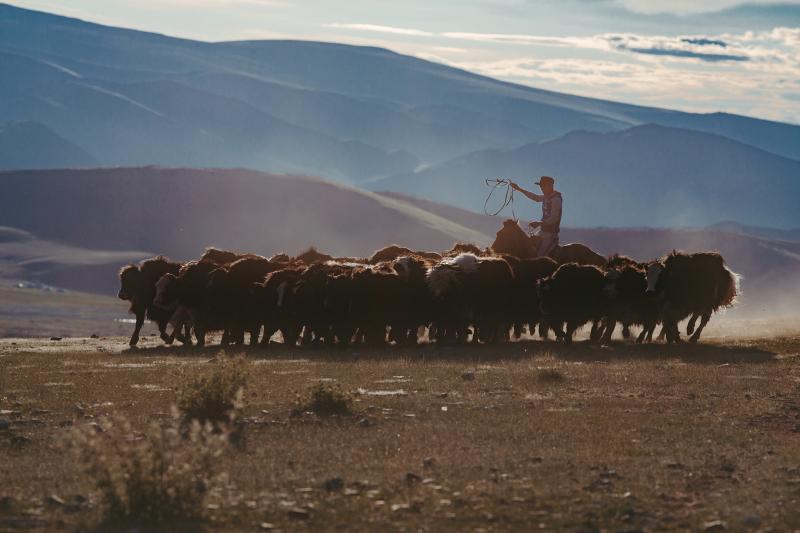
511 239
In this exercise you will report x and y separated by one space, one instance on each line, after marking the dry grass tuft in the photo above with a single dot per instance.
328 400
216 396
158 477
550 375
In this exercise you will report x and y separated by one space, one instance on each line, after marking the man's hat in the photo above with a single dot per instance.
545 179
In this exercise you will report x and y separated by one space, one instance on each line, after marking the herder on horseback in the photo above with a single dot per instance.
552 204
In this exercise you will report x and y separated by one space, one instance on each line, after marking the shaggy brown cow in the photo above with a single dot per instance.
229 293
220 257
524 307
275 301
574 295
138 285
312 256
189 290
463 248
392 252
451 312
628 302
511 239
414 302
691 284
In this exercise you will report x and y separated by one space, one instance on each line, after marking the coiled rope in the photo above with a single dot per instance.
507 201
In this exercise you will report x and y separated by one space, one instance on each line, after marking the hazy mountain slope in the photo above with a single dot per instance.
86 80
24 256
647 175
181 211
33 145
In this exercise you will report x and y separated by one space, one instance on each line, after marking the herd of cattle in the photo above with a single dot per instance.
397 295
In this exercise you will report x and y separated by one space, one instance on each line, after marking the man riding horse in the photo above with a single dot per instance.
552 203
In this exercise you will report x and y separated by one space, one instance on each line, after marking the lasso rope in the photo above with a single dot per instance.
509 198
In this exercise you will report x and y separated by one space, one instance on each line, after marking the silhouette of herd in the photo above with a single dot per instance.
399 296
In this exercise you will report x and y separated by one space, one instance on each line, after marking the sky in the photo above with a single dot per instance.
692 55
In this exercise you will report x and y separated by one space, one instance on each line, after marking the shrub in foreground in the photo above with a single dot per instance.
215 396
327 400
158 477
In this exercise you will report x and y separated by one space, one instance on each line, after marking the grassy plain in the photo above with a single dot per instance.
524 436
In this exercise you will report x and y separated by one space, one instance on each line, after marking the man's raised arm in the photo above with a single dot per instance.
533 196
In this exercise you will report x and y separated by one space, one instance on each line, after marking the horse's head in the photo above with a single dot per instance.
511 239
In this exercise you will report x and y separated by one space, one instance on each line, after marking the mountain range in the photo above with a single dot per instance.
648 175
349 113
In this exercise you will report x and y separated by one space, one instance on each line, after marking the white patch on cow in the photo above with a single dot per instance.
403 265
281 292
653 273
466 262
441 277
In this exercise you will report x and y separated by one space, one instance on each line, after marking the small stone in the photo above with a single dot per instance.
54 500
400 507
4 424
751 521
334 484
412 478
365 423
6 503
299 514
94 336
468 375
714 525
351 492
428 463
266 526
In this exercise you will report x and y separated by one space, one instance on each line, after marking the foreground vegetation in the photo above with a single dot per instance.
515 437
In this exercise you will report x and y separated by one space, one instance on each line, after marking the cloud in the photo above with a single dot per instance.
686 7
379 29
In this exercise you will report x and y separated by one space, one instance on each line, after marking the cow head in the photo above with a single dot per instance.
166 291
654 271
130 279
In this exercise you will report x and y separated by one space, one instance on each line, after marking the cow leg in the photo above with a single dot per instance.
642 335
626 331
571 327
187 334
200 334
703 321
690 325
597 331
663 333
610 326
137 328
255 331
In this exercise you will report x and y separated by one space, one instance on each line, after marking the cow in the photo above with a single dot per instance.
490 288
138 285
523 305
312 256
229 293
450 304
691 284
511 239
392 252
220 257
463 248
188 289
574 295
415 300
274 299
628 302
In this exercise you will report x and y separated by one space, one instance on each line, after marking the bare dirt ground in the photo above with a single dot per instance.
524 436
